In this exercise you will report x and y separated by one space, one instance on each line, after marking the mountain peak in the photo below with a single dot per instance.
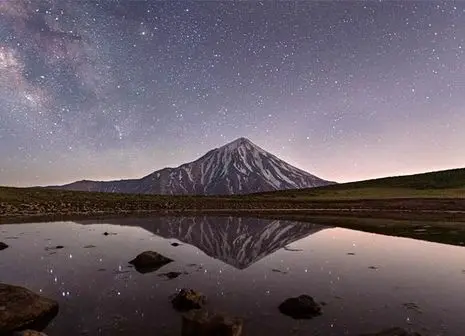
238 143
238 167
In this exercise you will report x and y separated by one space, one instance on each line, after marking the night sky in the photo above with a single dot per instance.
117 89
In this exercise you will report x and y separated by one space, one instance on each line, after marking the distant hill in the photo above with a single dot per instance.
396 197
446 183
239 167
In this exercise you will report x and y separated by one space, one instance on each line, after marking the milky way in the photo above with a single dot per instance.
117 89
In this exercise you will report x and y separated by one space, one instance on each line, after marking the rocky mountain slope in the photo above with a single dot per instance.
239 167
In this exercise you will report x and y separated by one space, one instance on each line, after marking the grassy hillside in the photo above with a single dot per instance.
425 194
447 183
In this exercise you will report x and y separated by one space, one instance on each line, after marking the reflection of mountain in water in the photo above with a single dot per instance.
239 242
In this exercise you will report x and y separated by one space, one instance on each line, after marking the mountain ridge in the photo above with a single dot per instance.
238 167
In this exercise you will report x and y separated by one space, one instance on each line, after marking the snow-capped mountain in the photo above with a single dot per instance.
239 242
238 167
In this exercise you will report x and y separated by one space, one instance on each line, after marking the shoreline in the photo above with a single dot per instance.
407 217
443 227
453 216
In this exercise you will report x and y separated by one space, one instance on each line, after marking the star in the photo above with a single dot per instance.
96 83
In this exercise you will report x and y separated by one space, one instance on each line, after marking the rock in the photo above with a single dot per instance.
188 299
149 261
3 246
393 332
20 308
175 244
302 307
201 323
89 246
373 267
286 248
58 247
412 306
171 275
105 233
29 333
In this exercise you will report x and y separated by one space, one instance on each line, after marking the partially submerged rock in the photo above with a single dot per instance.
412 306
52 248
393 332
188 299
301 307
29 333
171 275
199 322
21 309
3 246
287 248
149 261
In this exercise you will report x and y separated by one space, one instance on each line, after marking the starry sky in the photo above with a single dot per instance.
117 89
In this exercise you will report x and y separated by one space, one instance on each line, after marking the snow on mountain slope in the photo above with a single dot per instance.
238 167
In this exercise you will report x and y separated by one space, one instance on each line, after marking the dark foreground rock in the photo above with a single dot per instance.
29 333
3 246
188 299
301 307
199 322
149 261
393 332
22 309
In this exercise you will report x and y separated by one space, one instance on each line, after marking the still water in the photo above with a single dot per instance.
246 267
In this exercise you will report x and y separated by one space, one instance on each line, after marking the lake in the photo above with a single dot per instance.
246 267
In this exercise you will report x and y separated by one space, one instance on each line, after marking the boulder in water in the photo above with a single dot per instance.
188 299
199 322
171 275
29 333
149 261
22 309
394 332
301 307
